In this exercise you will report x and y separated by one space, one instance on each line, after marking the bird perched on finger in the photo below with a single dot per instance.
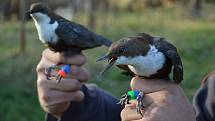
62 35
145 56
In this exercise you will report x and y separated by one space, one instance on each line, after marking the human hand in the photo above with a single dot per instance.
55 98
163 101
147 86
129 113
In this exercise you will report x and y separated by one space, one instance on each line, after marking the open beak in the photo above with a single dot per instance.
111 61
105 57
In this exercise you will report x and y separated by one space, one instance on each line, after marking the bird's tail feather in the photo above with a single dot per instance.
103 41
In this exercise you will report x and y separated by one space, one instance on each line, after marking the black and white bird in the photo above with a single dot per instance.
62 35
145 56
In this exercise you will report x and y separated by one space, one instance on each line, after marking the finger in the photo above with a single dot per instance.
43 64
71 83
52 97
132 105
131 117
129 113
57 57
79 73
68 85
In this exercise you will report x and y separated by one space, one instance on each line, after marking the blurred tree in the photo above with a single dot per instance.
78 6
6 10
11 8
141 4
22 6
92 15
197 7
210 1
154 3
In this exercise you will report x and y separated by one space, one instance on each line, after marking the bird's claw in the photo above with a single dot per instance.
139 104
57 72
124 99
50 70
58 78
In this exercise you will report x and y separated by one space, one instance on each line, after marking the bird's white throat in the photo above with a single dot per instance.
144 65
46 31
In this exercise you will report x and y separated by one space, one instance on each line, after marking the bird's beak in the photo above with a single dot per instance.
27 14
105 57
111 63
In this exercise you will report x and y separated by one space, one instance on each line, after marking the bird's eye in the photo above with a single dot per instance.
121 50
40 9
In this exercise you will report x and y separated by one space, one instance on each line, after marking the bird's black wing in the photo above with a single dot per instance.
77 35
170 52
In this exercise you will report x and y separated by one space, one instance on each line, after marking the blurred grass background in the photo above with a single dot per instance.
193 36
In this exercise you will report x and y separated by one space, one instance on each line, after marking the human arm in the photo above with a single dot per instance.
204 99
71 99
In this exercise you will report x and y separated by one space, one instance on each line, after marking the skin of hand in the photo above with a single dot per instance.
55 98
163 101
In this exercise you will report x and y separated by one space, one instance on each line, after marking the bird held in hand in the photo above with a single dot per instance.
62 35
145 56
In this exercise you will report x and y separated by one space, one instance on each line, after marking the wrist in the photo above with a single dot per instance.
57 110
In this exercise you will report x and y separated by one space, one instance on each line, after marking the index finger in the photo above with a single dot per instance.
129 113
57 57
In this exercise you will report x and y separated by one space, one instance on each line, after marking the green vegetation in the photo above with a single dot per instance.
194 39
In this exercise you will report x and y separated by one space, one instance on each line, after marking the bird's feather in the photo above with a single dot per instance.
77 35
171 53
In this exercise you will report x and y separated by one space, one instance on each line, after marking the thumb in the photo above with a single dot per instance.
129 113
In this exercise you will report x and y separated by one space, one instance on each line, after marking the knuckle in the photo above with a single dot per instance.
83 75
75 85
44 53
78 96
86 74
82 60
45 98
39 68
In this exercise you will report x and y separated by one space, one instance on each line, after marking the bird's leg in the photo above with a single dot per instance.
139 104
62 73
50 70
58 78
131 95
57 72
124 99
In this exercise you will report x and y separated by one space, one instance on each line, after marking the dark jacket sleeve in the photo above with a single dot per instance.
97 105
204 100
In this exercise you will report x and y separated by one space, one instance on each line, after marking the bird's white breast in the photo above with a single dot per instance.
144 65
46 31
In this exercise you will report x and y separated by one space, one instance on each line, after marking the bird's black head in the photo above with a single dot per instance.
126 47
37 8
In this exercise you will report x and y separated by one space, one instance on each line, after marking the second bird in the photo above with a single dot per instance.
147 57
